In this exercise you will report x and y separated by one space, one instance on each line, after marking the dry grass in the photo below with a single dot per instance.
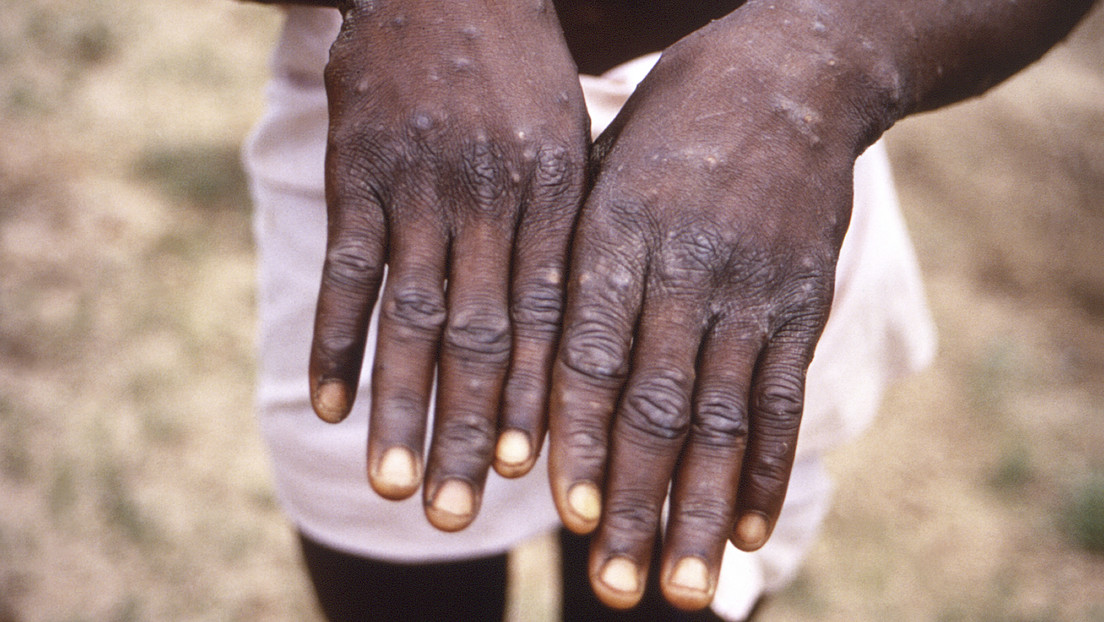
132 482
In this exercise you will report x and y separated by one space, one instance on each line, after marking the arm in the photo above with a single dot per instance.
704 259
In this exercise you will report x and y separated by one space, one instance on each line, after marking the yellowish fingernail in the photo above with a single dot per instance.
752 530
585 501
513 448
621 575
690 573
397 470
332 401
454 497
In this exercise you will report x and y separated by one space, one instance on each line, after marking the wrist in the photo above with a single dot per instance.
810 61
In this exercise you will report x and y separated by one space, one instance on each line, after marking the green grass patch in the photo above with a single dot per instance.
1013 471
1083 516
207 176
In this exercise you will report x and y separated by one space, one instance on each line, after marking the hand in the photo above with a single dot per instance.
456 153
701 277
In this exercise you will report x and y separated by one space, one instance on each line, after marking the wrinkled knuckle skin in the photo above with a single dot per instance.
465 437
360 166
554 167
537 309
484 176
350 268
767 478
692 259
781 399
656 406
403 400
595 354
338 346
525 389
809 294
478 336
416 307
586 439
632 514
705 516
361 159
721 416
558 176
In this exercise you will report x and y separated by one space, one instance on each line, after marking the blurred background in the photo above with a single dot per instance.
132 481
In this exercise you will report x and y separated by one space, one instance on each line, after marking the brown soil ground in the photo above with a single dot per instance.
133 485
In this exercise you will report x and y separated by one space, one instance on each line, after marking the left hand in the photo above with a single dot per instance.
702 275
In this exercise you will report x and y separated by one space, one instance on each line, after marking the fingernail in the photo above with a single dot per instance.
513 448
397 472
621 575
585 501
331 401
453 505
752 530
690 573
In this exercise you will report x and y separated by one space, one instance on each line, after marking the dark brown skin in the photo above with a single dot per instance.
702 262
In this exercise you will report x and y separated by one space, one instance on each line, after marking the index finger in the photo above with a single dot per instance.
604 298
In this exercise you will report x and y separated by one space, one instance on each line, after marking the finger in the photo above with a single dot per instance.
703 497
592 363
648 433
475 352
412 313
351 276
536 306
777 400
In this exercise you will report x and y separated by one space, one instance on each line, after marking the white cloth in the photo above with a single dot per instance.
879 329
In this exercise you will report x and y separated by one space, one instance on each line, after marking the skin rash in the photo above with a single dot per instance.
651 300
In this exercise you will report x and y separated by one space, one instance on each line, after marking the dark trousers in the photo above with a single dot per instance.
356 589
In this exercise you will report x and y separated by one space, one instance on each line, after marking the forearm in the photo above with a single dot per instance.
859 66
941 52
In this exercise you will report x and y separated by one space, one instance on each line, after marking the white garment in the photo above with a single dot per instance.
879 329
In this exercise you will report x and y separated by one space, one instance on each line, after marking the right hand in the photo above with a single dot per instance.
457 150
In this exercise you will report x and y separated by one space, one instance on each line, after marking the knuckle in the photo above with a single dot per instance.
478 334
538 306
632 512
352 265
707 515
399 399
554 167
691 254
766 478
811 290
781 398
337 343
596 353
524 386
417 306
484 175
587 443
468 433
558 173
358 161
587 440
721 415
656 405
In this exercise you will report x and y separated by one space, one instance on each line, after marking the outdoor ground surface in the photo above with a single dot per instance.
132 482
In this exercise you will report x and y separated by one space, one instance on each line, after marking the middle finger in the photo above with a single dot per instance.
475 352
647 436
